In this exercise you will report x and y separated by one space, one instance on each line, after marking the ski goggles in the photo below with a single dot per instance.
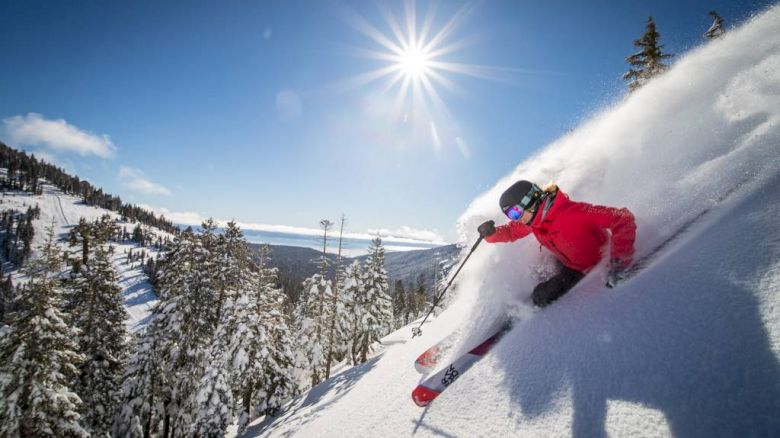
516 211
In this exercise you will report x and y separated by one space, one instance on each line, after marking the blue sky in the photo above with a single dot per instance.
255 111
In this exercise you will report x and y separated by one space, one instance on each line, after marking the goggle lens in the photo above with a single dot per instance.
514 212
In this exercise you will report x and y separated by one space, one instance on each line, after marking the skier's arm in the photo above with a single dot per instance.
620 222
509 232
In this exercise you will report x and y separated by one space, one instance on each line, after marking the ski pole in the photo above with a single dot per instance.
417 331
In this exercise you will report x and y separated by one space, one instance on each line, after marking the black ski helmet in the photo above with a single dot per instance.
516 192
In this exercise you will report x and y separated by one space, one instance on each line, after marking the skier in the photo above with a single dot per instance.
577 234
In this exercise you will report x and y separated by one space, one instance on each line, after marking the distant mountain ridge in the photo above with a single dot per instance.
297 263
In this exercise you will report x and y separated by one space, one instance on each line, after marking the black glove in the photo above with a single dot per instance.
487 228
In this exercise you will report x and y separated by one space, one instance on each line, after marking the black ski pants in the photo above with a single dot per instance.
548 291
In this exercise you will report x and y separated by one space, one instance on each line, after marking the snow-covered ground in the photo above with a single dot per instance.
64 211
688 347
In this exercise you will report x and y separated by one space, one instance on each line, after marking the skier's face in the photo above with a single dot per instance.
526 217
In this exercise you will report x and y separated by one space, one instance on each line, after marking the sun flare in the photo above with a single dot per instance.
414 63
416 66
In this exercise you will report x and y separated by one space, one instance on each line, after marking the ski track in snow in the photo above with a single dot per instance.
688 347
60 209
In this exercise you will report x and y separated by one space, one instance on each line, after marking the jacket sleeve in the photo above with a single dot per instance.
620 222
509 232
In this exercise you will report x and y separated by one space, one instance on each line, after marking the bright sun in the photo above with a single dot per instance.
415 63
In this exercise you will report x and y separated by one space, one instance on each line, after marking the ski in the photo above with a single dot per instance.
434 385
428 360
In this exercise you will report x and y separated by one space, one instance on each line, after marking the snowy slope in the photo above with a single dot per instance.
688 347
64 211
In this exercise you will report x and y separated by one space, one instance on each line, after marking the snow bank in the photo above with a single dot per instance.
688 347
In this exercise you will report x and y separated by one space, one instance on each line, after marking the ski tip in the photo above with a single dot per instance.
423 396
422 369
427 360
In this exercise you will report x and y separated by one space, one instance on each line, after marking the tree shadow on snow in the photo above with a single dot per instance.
132 297
686 339
305 408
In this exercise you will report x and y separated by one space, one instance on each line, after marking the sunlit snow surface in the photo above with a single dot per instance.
689 347
64 211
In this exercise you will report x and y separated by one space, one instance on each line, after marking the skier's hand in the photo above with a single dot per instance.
487 228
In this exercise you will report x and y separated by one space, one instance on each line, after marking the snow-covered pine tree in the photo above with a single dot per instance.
378 317
175 349
148 382
274 382
39 356
648 62
103 342
716 29
80 236
326 225
312 317
141 395
197 300
233 265
211 408
354 287
339 325
250 353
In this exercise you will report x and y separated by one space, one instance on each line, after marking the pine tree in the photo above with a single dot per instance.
102 341
354 287
142 388
378 317
716 29
211 407
278 376
338 329
174 353
648 62
312 317
195 308
39 357
250 357
80 235
6 296
400 312
417 299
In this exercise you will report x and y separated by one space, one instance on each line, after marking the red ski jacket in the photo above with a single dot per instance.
576 232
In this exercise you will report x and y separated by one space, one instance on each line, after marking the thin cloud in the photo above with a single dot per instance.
404 234
177 217
57 136
136 180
